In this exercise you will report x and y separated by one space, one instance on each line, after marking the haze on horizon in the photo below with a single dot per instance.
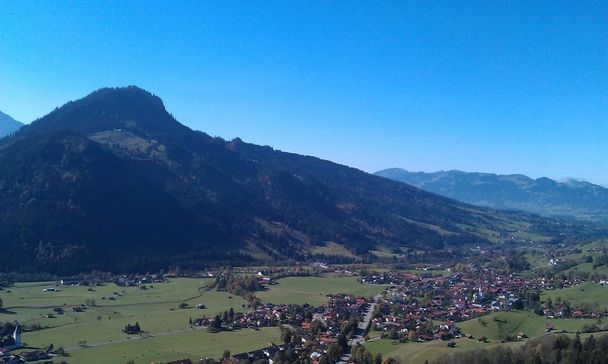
499 88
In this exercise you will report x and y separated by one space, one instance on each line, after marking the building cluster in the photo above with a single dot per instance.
307 332
421 308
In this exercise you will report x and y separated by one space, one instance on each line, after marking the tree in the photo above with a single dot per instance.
333 352
343 341
377 358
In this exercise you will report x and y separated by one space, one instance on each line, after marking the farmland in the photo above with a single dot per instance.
95 335
586 293
167 333
495 327
312 290
417 353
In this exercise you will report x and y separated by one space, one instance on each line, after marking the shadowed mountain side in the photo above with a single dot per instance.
114 182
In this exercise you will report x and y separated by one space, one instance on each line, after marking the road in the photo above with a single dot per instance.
361 330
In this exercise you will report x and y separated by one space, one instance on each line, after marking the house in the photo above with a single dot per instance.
70 282
34 355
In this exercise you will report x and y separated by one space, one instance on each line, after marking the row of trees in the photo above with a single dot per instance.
241 285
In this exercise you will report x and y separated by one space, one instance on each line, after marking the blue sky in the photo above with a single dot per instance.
492 86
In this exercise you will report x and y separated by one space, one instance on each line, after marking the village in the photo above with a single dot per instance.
421 304
419 308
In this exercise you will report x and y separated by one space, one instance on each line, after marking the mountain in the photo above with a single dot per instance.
8 125
113 182
570 199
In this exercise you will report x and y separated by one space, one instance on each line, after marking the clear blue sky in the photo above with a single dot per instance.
493 86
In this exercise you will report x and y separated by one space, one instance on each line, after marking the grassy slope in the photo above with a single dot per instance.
585 293
496 326
417 353
332 248
495 330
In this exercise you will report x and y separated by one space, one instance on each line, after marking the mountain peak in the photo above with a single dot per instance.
128 93
8 125
130 108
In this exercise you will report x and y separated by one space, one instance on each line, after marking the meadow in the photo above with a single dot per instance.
586 293
312 290
167 332
495 327
95 335
417 353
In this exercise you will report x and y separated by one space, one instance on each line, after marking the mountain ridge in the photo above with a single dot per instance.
580 200
113 182
8 125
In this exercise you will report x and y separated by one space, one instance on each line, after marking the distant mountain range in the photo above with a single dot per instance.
570 199
113 182
8 125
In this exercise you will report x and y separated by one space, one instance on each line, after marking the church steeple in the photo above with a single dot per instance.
17 336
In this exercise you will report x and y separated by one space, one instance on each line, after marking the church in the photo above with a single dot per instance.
13 342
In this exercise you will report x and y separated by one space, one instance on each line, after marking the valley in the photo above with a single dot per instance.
422 312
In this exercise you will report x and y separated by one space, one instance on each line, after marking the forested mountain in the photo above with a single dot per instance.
8 125
570 199
113 182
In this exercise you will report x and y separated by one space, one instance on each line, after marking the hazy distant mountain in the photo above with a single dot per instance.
114 182
8 125
567 199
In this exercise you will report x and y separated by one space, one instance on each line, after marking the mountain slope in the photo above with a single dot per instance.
8 125
570 199
114 182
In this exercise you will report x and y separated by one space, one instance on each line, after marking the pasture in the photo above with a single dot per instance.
312 290
109 308
417 353
495 327
587 293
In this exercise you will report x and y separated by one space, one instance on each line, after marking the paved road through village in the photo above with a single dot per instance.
361 329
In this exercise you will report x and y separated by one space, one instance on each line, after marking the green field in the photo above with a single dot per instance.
192 345
588 268
313 290
332 248
590 293
494 327
156 310
417 353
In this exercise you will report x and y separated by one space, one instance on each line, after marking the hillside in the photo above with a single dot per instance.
113 182
8 125
571 199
